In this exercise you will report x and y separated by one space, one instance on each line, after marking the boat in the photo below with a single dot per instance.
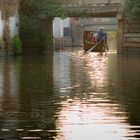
90 43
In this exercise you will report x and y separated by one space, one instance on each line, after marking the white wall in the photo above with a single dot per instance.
14 20
1 25
59 25
66 22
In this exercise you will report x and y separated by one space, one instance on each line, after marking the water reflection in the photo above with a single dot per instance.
96 68
92 114
90 119
70 96
129 89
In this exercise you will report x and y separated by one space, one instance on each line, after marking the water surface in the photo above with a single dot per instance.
70 96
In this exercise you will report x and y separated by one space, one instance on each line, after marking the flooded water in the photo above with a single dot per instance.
70 96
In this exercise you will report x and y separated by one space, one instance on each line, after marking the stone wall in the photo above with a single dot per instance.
131 36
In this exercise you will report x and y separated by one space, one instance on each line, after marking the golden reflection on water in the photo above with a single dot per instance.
89 120
96 67
96 117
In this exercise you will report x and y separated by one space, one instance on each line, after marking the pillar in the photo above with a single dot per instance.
120 34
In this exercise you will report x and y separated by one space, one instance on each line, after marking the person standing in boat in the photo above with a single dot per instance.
102 35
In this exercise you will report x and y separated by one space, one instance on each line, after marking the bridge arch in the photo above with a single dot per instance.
100 9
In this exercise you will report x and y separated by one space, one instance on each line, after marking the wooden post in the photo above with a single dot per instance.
120 35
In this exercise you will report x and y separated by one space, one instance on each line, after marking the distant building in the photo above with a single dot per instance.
61 32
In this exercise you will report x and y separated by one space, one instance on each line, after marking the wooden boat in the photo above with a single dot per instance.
90 44
94 47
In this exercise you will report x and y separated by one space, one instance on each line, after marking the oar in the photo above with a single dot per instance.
95 45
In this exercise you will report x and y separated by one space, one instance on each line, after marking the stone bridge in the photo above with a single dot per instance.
95 11
94 8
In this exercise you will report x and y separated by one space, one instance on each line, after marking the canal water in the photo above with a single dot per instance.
71 95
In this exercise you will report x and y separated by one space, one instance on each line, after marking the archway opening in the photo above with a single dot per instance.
69 32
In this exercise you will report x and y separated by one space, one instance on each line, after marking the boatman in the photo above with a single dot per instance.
101 35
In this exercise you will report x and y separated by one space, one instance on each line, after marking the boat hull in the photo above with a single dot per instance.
90 42
101 47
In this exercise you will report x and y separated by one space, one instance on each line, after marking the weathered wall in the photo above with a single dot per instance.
8 22
131 36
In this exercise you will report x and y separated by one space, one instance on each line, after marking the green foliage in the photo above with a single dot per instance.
17 45
42 8
33 14
111 35
133 8
36 18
